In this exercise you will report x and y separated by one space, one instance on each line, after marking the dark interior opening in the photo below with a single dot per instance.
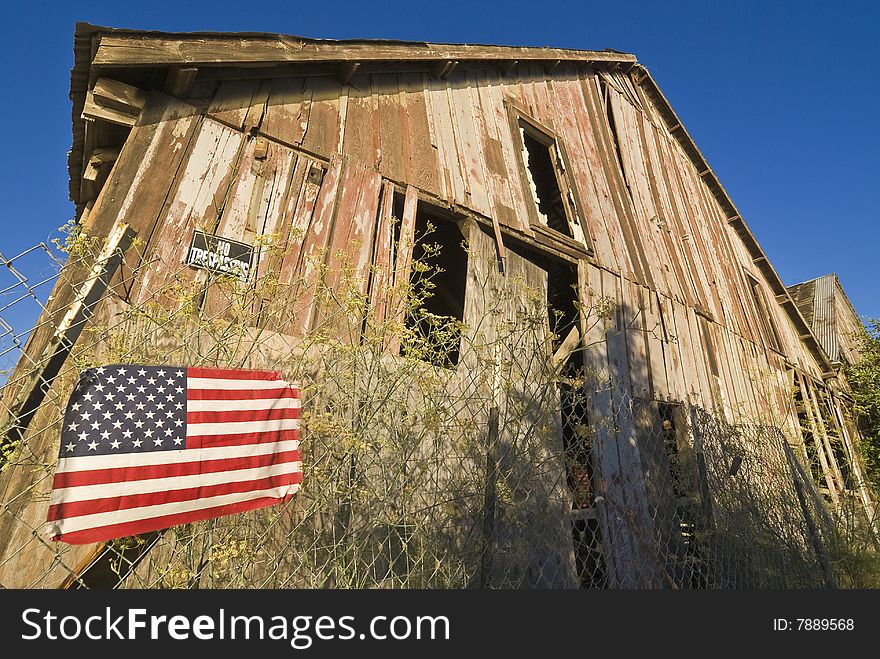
439 277
550 200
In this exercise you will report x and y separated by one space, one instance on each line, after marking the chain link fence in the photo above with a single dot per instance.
508 469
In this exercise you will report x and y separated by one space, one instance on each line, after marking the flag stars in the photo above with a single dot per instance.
132 409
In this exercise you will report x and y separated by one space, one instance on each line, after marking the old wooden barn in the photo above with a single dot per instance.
660 382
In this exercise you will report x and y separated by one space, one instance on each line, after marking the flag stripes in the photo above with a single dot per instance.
233 446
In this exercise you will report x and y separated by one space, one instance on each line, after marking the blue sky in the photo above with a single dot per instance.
780 97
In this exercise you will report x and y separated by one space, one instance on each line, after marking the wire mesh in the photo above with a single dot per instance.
507 470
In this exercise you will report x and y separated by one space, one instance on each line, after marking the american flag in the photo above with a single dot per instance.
144 448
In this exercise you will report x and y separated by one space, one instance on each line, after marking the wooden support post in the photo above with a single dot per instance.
17 419
815 539
489 499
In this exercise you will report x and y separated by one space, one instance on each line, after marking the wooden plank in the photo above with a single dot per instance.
287 112
633 299
616 541
402 266
392 127
502 157
420 157
654 333
350 253
315 243
632 483
322 132
306 185
201 188
382 257
232 101
358 142
566 106
467 143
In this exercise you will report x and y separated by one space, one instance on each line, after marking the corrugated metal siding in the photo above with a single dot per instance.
823 324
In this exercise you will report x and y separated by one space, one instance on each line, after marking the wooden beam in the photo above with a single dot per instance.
146 49
443 68
506 66
179 80
114 101
550 65
93 110
111 93
100 158
347 71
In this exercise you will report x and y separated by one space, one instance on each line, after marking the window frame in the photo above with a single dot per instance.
521 120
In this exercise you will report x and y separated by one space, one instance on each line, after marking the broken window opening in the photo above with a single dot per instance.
547 179
541 165
438 280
